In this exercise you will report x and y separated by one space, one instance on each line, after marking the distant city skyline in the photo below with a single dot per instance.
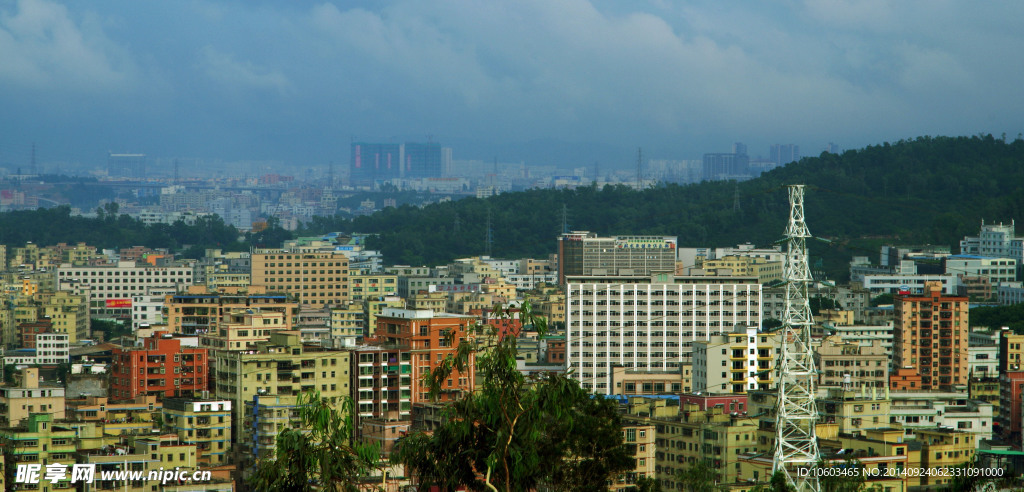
545 83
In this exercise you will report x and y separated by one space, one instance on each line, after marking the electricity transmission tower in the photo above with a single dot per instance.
796 440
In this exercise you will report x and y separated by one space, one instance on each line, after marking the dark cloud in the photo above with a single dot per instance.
295 81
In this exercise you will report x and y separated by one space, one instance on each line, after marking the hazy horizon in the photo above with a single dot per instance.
550 83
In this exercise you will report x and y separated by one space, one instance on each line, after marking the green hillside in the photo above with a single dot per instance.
928 190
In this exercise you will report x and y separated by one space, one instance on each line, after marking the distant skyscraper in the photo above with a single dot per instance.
724 166
372 162
126 165
423 160
376 162
785 153
832 148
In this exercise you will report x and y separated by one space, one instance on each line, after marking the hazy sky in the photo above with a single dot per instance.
297 81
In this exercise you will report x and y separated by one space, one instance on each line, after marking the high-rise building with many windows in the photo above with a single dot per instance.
930 336
649 323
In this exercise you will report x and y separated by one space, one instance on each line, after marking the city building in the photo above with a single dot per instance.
649 323
315 278
51 349
998 240
735 362
110 288
931 336
281 369
161 366
429 337
39 440
584 253
204 423
29 396
382 385
840 362
198 310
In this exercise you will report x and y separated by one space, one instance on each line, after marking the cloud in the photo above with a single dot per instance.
240 75
43 46
687 77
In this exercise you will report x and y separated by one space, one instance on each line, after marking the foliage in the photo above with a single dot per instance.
111 329
319 454
882 300
110 230
818 303
999 316
927 190
699 477
516 432
646 484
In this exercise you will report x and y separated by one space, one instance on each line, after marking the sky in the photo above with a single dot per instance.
564 82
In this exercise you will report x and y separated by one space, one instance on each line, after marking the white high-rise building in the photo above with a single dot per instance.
649 323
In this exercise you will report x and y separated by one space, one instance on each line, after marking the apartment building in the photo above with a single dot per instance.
281 367
382 384
204 423
315 278
41 441
742 360
198 310
242 329
931 336
429 337
51 349
161 366
366 285
649 323
110 288
842 362
29 396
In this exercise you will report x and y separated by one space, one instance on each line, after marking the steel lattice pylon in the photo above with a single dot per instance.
796 441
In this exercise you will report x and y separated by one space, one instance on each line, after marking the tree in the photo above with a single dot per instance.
516 432
700 477
320 454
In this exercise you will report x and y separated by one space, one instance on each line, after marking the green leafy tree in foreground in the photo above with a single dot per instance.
516 432
320 454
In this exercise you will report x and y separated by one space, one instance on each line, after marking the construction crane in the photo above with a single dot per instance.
796 442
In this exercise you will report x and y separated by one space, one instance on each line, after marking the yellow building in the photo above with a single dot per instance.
364 286
853 411
241 329
199 309
639 440
203 423
349 321
436 301
68 312
944 448
19 401
138 416
684 436
283 367
746 266
41 441
316 278
373 307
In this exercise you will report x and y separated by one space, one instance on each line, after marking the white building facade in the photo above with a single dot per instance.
649 323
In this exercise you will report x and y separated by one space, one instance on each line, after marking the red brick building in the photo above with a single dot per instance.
161 367
28 331
429 337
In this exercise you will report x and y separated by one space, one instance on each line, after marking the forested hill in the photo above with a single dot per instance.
928 190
